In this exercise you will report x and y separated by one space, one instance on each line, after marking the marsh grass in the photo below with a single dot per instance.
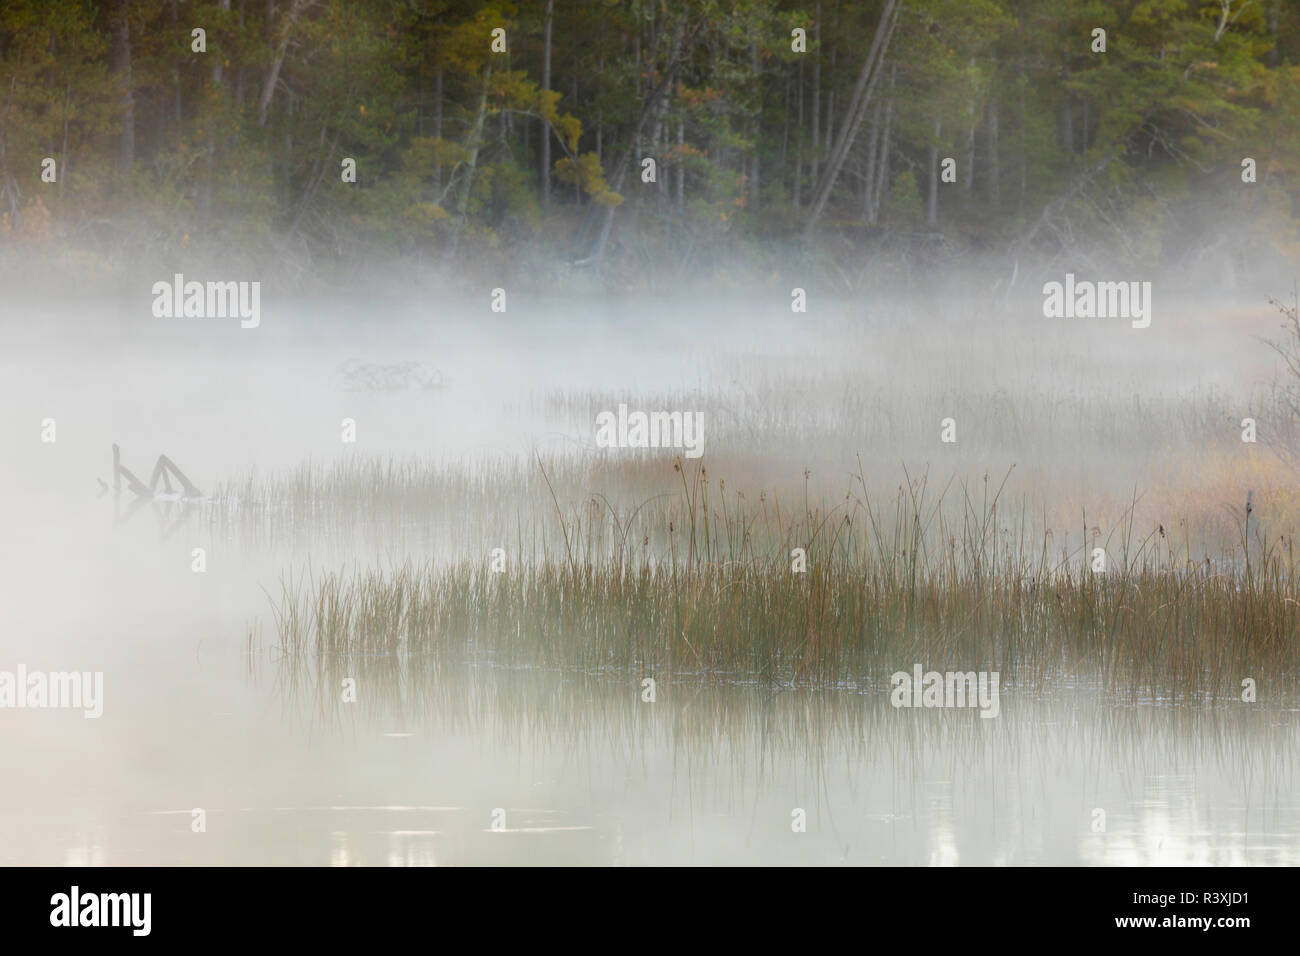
1076 446
698 585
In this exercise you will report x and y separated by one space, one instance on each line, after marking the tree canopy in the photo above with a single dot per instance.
514 133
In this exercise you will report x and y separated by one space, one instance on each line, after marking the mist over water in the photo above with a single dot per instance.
201 710
648 433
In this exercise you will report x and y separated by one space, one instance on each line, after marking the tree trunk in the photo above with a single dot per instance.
757 129
932 199
798 146
216 58
857 109
577 186
281 50
829 135
816 90
121 67
176 78
869 175
994 175
600 111
63 150
882 165
969 171
1274 14
1023 154
1067 110
664 196
437 127
239 73
546 85
649 105
475 140
681 165
209 159
785 123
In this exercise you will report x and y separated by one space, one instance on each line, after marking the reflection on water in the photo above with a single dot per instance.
478 766
443 765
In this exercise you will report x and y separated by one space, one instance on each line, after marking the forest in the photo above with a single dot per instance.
645 141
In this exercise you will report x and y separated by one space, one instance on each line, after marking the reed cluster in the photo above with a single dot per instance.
706 585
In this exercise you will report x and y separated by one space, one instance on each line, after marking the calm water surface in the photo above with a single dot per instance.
571 769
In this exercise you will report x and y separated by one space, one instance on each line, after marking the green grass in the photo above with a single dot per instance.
697 584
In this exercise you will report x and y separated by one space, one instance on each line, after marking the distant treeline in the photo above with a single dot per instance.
520 135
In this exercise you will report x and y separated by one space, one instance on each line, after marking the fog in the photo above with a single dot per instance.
1084 413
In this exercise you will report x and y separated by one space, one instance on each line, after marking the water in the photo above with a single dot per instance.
587 773
420 768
